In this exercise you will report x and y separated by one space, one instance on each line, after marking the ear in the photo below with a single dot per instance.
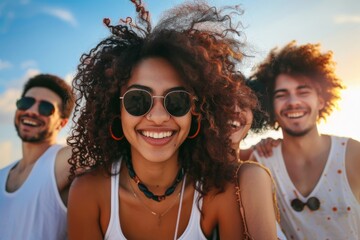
321 103
63 122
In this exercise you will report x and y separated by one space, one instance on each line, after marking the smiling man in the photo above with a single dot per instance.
317 175
33 190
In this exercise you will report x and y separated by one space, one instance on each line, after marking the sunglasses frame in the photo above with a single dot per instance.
43 107
191 97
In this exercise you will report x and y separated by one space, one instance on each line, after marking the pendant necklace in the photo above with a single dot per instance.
158 215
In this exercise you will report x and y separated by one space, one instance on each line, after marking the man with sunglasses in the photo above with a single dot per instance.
317 175
33 190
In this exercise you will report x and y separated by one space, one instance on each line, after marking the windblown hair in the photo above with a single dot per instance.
303 60
260 116
58 86
204 45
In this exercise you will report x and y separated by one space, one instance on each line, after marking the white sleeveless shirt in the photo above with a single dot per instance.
35 211
339 214
193 230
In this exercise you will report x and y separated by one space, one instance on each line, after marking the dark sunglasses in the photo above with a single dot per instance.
45 108
313 204
139 102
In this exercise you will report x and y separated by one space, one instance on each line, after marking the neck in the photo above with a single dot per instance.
305 146
147 192
32 151
156 175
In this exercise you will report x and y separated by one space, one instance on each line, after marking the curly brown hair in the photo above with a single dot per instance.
204 45
305 60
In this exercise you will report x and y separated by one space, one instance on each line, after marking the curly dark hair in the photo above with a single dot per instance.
58 86
205 47
304 60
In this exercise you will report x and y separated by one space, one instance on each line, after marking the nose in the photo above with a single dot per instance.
158 113
293 100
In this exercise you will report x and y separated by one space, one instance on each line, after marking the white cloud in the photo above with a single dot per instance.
69 77
342 19
7 104
4 64
61 14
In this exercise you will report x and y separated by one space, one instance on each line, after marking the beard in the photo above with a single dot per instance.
293 133
33 139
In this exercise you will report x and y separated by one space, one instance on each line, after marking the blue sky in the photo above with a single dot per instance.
50 36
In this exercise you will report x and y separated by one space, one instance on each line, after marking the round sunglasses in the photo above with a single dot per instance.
313 204
45 108
138 102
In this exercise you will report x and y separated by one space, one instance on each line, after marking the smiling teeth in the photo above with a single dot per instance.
234 123
157 134
295 115
29 122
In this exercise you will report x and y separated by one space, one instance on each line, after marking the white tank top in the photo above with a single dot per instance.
35 211
193 230
339 214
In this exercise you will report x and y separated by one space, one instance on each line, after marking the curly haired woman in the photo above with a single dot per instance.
153 138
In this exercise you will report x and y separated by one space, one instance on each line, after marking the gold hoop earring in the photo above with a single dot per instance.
111 129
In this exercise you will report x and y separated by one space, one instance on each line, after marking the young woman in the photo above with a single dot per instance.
152 134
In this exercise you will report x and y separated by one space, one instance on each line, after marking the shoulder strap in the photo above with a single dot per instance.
238 196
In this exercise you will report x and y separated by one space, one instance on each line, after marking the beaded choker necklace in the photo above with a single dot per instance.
146 191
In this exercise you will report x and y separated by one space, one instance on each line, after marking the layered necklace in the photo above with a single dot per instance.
146 191
158 215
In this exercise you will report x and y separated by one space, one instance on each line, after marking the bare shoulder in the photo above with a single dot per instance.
353 154
62 156
353 147
62 169
253 174
353 166
93 185
90 181
89 202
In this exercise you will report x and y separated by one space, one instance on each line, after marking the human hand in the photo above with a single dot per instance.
264 147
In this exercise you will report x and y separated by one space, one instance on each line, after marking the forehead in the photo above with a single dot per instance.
41 93
285 81
157 74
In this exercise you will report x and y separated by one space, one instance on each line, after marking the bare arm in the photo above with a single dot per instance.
83 210
353 166
62 172
257 200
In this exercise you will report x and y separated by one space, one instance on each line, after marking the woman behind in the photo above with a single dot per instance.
153 138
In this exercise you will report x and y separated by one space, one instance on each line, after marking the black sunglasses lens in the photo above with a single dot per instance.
46 108
313 203
25 103
137 102
297 205
177 103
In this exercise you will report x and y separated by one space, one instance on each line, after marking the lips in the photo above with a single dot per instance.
157 138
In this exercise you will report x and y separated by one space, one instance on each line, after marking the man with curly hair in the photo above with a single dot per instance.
317 175
33 190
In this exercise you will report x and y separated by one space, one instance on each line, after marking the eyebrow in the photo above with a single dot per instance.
151 90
